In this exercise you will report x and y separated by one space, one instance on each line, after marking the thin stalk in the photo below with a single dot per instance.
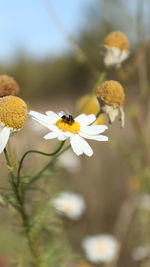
38 175
10 167
37 152
100 80
99 113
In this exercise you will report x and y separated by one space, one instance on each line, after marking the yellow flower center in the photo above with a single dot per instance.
13 112
111 92
101 247
67 127
67 208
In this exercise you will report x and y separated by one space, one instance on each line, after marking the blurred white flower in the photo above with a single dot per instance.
64 126
144 202
115 49
114 56
69 204
69 161
100 248
140 253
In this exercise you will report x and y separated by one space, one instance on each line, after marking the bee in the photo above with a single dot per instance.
68 118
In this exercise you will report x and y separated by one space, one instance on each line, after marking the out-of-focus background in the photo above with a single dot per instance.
52 49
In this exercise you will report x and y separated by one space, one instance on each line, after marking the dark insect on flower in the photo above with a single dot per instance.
68 118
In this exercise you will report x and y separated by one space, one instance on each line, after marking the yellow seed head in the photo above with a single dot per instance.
66 127
13 112
117 39
111 93
88 104
8 86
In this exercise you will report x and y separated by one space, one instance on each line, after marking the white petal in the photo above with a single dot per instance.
61 113
85 119
53 116
80 146
4 136
124 55
51 135
85 147
94 129
47 125
94 137
58 134
40 117
76 145
62 136
116 52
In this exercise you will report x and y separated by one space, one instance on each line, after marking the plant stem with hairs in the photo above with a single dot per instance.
21 209
19 195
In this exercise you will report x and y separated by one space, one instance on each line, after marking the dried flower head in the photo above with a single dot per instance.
117 39
111 97
8 86
13 114
115 48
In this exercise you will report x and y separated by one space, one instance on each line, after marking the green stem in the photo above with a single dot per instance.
100 79
9 166
7 157
37 152
38 175
20 207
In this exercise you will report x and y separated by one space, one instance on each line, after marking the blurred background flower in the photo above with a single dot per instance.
100 248
69 204
115 48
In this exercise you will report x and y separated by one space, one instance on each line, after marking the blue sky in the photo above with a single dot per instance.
26 26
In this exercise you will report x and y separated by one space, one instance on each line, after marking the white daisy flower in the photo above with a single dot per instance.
69 161
13 114
69 204
63 126
100 248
